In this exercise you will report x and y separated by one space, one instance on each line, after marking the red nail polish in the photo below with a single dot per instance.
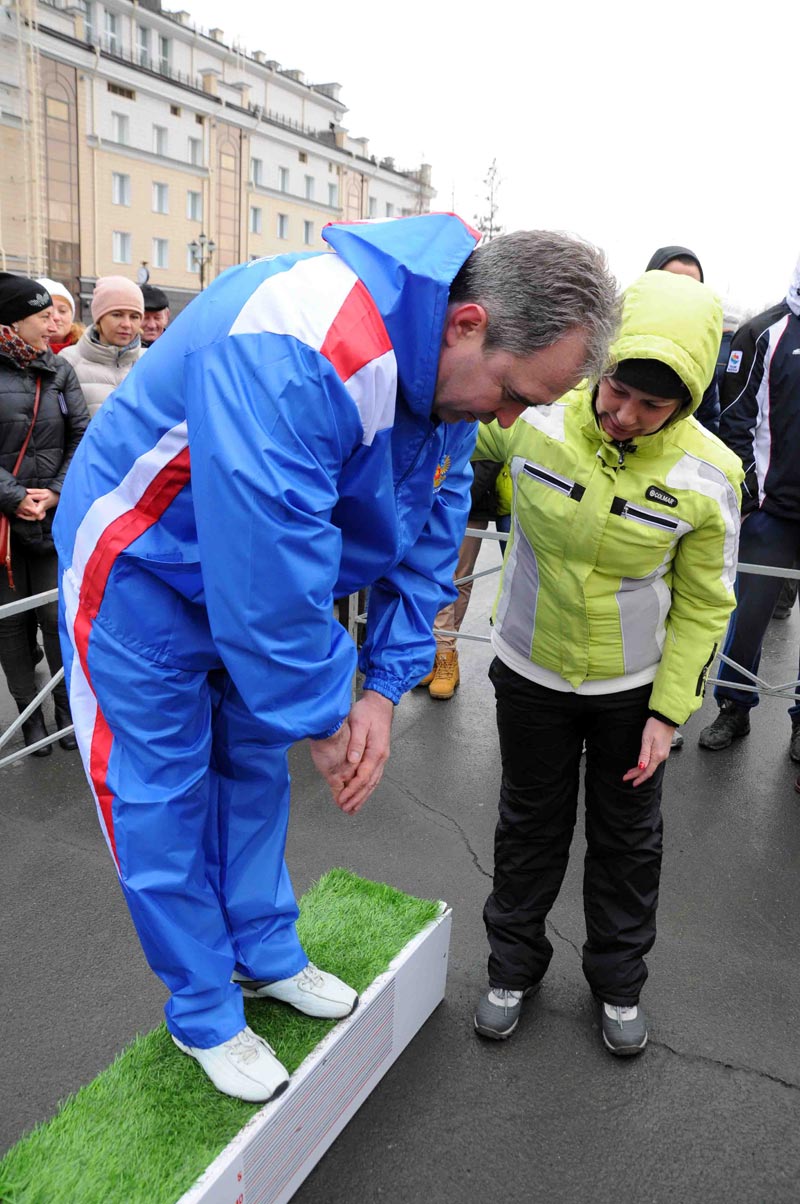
643 765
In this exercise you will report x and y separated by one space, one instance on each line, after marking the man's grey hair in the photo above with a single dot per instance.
538 285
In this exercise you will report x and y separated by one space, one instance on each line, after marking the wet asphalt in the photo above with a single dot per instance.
709 1113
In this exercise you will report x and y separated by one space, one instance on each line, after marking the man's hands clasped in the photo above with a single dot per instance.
352 760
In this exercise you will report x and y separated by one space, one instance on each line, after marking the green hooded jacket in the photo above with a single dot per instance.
622 557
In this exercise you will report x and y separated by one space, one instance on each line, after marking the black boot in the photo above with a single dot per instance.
33 730
64 719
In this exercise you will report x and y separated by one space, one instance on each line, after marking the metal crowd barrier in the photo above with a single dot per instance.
352 618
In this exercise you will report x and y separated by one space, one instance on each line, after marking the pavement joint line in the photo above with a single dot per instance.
443 814
718 1062
561 937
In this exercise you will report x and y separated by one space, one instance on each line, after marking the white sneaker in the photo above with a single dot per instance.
311 991
245 1066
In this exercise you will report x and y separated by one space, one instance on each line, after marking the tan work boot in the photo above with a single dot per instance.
427 679
445 676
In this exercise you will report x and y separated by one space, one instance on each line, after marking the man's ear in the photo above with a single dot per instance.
467 320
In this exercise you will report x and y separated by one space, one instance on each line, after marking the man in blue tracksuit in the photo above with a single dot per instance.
301 431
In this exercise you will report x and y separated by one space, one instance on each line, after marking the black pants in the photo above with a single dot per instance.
541 735
33 574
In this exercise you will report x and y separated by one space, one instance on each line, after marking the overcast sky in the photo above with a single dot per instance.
633 124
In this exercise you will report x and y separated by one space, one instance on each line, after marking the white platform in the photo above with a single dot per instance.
268 1160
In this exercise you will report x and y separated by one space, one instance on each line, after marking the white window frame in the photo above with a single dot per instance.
256 222
282 225
308 233
160 258
192 264
143 34
160 140
164 54
309 185
194 212
333 195
256 170
120 128
160 196
121 246
120 188
111 27
195 151
389 209
373 206
283 179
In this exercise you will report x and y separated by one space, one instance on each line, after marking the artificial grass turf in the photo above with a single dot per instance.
147 1127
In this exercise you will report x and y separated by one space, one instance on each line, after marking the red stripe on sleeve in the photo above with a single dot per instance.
357 334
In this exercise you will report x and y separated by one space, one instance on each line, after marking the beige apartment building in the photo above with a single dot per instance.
126 133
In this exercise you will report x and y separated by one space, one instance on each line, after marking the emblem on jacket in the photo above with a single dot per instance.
735 362
441 472
654 494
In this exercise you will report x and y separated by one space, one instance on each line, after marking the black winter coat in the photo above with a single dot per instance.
60 425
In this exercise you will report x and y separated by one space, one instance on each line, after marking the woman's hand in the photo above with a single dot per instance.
656 742
31 509
47 497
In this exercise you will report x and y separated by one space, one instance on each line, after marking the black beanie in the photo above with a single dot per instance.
154 297
664 254
20 297
653 377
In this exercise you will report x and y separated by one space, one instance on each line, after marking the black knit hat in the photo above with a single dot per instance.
653 377
20 297
154 298
665 254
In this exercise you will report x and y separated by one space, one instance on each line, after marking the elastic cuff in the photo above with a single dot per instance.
332 732
390 687
663 718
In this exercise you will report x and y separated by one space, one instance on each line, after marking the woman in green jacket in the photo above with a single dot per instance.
616 589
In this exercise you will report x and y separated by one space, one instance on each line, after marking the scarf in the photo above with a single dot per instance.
17 350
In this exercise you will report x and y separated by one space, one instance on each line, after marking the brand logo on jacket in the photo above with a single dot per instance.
441 472
735 362
654 494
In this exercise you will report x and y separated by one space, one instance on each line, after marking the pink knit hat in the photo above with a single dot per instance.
115 292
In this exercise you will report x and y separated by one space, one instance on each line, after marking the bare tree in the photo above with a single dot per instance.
487 223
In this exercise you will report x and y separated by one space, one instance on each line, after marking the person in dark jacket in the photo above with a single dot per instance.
42 419
684 262
760 421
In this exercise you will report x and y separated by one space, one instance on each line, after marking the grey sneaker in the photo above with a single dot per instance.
794 744
624 1029
732 722
498 1012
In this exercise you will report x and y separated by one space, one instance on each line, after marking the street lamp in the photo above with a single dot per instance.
202 249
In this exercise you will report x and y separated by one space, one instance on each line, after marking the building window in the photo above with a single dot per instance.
333 196
120 189
283 179
194 206
120 128
118 90
160 253
164 55
283 225
191 261
120 247
88 19
373 206
196 151
175 110
160 198
112 32
159 140
389 209
308 233
256 171
255 220
143 46
309 188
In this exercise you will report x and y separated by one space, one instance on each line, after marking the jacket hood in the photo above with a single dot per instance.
408 265
664 254
676 320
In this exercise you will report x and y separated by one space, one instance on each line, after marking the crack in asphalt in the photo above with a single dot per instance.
414 798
